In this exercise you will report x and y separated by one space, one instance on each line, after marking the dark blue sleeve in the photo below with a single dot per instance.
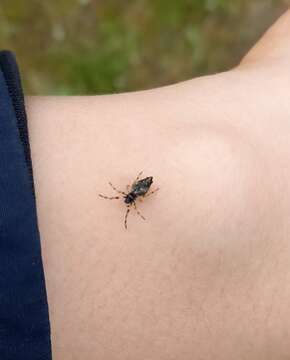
24 317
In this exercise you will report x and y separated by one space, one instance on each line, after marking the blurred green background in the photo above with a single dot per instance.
103 46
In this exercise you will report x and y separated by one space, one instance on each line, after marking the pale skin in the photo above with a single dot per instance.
207 274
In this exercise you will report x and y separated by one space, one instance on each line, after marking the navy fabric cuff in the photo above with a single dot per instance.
24 316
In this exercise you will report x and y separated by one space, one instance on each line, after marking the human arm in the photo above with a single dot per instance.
206 275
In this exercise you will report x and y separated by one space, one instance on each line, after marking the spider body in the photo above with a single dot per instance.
139 188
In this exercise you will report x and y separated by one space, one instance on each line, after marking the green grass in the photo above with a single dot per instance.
106 46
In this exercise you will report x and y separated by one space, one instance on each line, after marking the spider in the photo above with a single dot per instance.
138 188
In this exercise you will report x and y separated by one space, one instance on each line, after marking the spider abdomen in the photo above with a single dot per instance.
139 188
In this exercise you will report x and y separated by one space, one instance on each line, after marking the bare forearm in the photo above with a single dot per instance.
205 274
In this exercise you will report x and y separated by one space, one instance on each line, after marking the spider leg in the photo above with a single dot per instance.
152 192
126 216
109 198
138 212
118 191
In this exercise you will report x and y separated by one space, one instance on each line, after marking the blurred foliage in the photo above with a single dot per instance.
105 46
